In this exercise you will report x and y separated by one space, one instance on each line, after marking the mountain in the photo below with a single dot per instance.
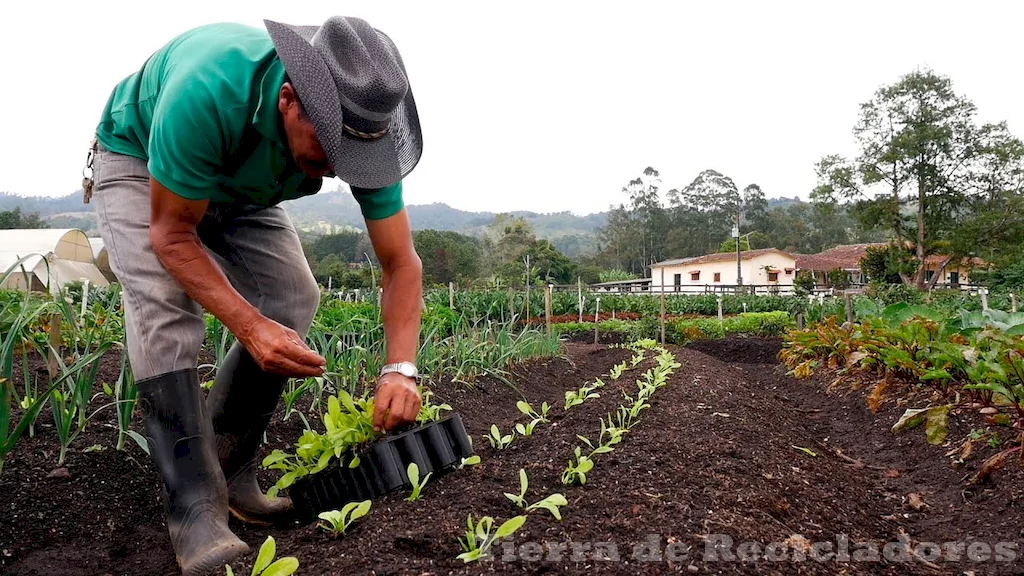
333 210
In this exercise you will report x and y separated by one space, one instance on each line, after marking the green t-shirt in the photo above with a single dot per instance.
202 112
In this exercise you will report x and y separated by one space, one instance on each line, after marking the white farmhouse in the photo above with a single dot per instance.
766 267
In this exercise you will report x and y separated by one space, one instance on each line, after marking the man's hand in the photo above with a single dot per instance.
278 349
396 402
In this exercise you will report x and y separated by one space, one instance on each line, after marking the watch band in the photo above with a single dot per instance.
407 369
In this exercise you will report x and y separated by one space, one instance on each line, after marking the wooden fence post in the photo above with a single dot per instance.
1013 302
547 307
721 317
597 312
579 288
451 295
984 298
799 321
849 306
511 304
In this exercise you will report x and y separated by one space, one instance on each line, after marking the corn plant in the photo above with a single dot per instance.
481 536
535 418
266 565
417 485
497 440
338 521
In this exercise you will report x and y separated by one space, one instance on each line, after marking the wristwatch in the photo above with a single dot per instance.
407 369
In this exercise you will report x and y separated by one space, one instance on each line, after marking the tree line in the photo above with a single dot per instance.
929 178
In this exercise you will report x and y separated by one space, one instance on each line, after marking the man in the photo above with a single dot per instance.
193 154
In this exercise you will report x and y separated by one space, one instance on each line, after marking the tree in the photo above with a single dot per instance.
447 256
15 219
923 166
755 240
703 213
755 207
886 265
634 235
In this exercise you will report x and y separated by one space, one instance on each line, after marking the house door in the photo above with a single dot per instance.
677 281
954 278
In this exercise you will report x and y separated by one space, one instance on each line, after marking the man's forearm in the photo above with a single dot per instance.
401 308
186 259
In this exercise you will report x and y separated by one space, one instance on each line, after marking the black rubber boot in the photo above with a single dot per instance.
241 403
180 439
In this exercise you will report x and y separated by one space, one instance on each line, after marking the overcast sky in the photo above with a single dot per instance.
550 106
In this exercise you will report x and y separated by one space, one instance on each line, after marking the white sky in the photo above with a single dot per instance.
550 106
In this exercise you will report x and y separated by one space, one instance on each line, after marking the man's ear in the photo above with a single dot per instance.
287 98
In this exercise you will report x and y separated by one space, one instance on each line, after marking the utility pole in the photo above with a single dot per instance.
739 267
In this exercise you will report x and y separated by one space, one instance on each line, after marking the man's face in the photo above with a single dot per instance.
306 150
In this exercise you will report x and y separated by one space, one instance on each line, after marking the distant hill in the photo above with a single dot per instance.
337 209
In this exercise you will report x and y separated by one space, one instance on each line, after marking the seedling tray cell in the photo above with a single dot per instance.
436 448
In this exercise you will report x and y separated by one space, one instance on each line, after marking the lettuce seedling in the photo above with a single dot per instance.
520 500
479 538
265 566
577 469
551 503
430 412
577 397
496 439
471 461
617 370
338 521
525 408
414 478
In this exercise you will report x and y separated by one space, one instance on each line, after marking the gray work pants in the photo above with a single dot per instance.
257 248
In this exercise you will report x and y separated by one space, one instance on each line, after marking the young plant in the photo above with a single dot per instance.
577 397
414 478
576 471
497 440
479 537
535 418
617 370
430 412
471 461
338 521
265 564
520 499
551 503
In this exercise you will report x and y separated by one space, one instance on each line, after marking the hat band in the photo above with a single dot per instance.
364 135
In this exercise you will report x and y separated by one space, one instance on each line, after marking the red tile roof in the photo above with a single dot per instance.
723 257
848 256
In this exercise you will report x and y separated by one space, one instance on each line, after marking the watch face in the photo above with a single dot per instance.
408 370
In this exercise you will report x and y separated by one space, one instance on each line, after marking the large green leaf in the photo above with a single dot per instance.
265 557
283 567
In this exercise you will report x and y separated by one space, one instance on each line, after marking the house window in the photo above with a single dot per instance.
928 275
677 279
695 276
773 276
789 271
718 276
954 277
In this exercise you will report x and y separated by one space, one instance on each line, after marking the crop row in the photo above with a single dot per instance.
967 359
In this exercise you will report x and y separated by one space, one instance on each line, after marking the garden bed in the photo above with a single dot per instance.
724 451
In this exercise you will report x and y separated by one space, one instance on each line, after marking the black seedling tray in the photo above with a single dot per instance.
436 448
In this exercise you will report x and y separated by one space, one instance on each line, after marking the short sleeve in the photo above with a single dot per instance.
186 140
379 203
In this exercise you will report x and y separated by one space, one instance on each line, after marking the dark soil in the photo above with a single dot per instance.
716 457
